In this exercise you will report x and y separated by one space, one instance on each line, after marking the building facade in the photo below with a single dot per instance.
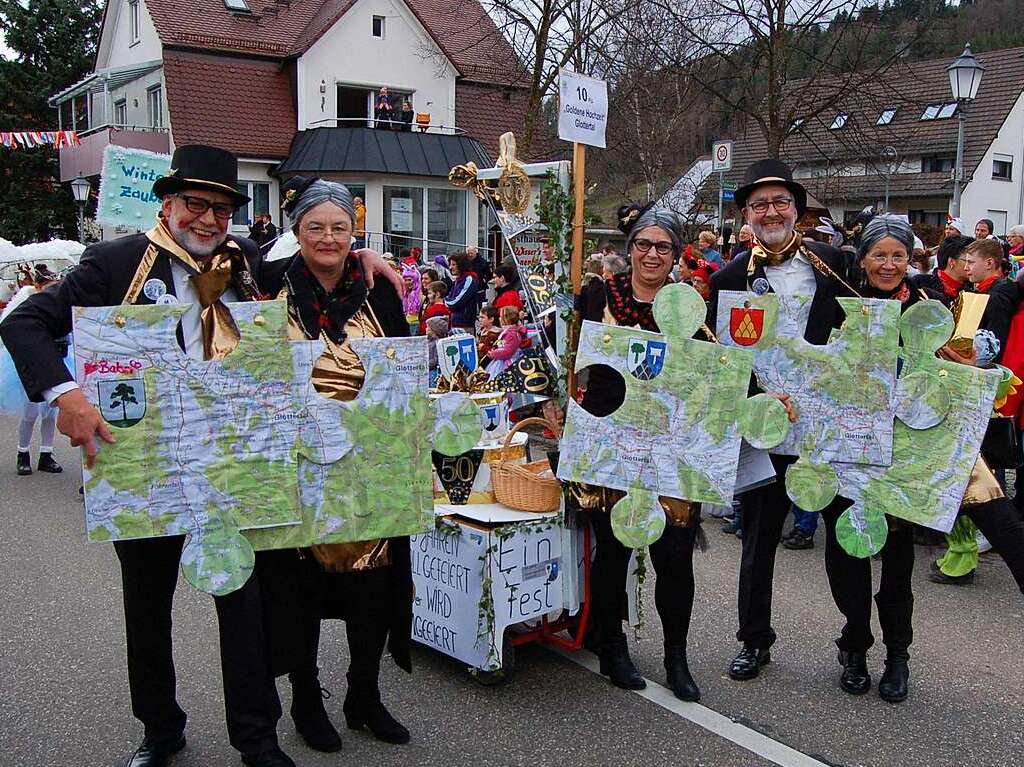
293 87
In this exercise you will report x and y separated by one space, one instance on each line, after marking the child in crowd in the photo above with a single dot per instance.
436 291
488 333
436 328
411 301
509 345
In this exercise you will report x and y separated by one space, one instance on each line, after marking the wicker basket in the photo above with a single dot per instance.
520 486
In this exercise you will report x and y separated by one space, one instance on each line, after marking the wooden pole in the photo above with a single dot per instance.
576 261
578 180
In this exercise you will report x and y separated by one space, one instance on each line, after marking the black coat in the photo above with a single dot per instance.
31 332
1003 299
825 313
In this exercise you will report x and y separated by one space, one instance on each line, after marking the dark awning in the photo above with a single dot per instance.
369 150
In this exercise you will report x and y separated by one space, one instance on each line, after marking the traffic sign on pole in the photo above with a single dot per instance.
721 156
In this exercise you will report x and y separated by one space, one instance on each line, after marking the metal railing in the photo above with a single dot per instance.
396 125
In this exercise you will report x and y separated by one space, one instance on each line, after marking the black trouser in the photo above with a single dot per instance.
363 600
672 557
849 578
1001 525
149 574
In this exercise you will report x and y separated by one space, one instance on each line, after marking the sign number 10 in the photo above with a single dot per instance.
581 93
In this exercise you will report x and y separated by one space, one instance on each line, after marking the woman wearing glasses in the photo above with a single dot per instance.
883 258
654 243
328 299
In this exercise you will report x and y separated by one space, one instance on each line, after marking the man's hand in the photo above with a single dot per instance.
948 353
80 422
374 263
784 399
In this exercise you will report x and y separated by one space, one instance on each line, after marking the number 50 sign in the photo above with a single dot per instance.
582 108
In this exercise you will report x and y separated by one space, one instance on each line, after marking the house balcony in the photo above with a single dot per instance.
87 159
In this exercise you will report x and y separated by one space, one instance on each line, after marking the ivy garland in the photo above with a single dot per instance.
641 577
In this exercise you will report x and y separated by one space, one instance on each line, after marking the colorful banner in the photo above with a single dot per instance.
30 139
126 186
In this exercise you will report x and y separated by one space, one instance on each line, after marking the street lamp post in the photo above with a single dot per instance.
891 157
80 188
964 81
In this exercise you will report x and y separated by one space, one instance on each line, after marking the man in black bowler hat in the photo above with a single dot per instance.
187 257
778 261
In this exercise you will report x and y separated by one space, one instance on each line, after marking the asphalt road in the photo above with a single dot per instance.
64 696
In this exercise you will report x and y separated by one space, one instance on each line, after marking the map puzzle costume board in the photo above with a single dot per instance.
209 448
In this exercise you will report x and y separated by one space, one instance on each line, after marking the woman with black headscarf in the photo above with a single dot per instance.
368 583
886 243
654 242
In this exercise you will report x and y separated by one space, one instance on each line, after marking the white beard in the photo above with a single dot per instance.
191 245
774 239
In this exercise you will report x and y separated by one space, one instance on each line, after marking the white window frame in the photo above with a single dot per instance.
250 207
383 26
155 97
121 112
1003 158
134 17
839 121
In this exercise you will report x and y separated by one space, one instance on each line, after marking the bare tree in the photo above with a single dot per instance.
748 52
544 35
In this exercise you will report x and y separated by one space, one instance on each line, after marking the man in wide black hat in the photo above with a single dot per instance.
778 261
187 257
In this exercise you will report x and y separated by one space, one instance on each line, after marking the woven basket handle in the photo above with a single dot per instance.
534 421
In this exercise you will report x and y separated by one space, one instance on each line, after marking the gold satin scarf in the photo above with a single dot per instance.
760 255
211 277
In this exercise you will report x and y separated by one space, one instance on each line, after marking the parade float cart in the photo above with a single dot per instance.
490 578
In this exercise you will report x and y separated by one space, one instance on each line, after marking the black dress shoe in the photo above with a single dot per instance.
937 576
24 464
893 686
155 753
798 540
618 666
363 708
677 670
310 717
273 757
855 678
747 665
47 464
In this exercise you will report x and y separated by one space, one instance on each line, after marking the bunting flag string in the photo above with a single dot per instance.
29 139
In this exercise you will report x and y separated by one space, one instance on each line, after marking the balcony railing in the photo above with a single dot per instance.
370 122
87 158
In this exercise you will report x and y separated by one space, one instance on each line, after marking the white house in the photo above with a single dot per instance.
291 87
840 155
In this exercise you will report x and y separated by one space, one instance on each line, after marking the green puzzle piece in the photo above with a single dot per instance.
930 467
211 448
678 431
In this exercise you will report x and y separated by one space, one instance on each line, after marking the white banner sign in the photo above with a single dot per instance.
583 108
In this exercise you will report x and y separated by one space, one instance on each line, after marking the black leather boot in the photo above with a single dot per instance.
893 687
677 672
24 464
618 666
363 708
309 715
855 678
47 464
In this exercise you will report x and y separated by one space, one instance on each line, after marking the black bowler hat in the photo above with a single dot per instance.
771 172
196 166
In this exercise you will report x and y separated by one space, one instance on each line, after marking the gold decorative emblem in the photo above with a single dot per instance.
514 184
120 321
390 353
258 320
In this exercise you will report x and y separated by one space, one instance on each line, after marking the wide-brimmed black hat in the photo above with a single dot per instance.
196 166
771 172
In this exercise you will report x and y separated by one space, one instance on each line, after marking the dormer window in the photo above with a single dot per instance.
939 111
237 6
839 121
886 117
378 27
797 124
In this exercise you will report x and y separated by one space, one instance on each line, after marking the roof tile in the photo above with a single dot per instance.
244 105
